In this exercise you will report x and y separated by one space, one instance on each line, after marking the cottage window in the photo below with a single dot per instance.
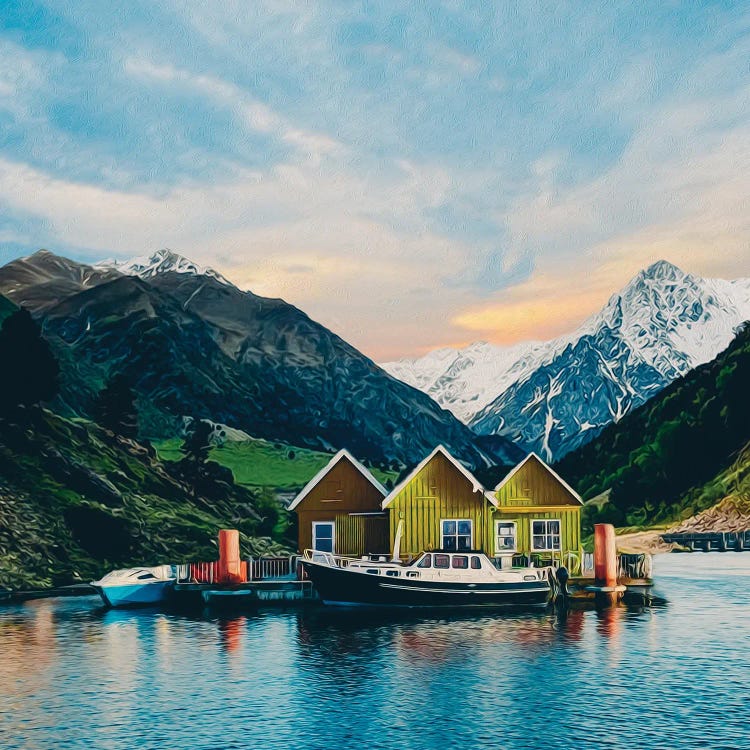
545 536
505 537
456 535
323 533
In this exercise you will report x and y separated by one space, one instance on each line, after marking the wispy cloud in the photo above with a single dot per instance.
409 176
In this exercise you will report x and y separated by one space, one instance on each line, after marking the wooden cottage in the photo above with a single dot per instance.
536 513
441 505
339 510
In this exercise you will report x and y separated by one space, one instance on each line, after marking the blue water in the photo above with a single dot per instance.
673 675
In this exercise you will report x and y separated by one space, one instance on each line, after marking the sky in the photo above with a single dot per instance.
412 175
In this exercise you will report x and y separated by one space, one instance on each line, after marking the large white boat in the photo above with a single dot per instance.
136 586
435 579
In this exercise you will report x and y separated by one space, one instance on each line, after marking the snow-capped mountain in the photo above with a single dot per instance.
148 266
464 381
554 396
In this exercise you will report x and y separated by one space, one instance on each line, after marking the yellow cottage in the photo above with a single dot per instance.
441 505
537 513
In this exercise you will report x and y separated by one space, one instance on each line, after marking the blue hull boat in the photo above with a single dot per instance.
135 587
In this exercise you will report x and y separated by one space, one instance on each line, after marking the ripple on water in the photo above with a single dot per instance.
74 675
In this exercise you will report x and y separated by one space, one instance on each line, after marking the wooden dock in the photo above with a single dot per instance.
718 541
250 594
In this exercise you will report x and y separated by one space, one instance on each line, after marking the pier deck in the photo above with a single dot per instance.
265 592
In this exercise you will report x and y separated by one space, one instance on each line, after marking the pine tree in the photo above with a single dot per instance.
115 408
197 443
28 370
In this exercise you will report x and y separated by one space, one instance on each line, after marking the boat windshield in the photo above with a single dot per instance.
445 561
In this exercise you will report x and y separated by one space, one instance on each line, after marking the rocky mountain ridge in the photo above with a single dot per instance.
552 397
195 345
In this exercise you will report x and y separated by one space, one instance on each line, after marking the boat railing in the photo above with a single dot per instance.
635 566
334 560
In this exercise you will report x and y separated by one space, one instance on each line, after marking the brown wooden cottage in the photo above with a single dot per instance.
339 510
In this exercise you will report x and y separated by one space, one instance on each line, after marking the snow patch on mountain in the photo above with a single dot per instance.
553 396
162 261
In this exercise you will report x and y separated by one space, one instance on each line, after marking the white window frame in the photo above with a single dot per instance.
545 521
332 524
506 550
458 521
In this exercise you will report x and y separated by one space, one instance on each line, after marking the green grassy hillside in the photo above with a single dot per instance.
673 456
77 501
262 464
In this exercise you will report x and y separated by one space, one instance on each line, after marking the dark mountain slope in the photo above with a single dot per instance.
197 346
6 308
42 279
657 458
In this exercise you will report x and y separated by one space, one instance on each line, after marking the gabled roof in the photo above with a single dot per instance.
461 468
518 467
343 453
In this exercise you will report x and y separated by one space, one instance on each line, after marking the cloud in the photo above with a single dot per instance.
254 114
409 178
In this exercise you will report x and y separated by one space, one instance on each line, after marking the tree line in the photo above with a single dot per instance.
679 440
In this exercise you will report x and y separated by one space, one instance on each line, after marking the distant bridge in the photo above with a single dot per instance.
711 541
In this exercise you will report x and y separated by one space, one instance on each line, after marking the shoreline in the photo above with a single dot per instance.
648 541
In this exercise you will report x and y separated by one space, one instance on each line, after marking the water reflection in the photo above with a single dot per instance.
325 678
232 632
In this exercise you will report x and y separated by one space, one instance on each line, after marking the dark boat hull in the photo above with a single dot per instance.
338 586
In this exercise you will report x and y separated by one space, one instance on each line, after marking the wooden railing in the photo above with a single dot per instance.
257 569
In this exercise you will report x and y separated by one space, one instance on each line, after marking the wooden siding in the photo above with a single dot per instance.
570 526
533 485
341 492
533 492
439 491
355 535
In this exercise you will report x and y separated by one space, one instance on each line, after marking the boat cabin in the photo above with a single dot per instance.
339 510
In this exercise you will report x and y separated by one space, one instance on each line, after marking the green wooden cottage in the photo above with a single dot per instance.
536 513
441 505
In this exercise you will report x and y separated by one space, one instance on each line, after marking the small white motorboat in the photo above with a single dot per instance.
132 587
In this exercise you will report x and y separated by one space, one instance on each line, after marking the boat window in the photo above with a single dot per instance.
456 535
476 563
442 561
391 572
144 576
374 571
412 574
425 562
460 561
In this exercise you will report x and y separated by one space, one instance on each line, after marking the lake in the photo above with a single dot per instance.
666 675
